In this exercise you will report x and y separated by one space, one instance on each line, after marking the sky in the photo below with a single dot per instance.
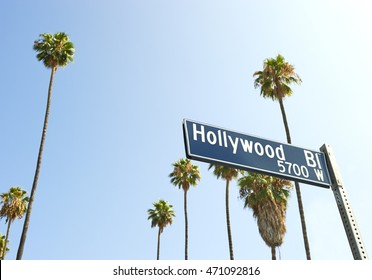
115 127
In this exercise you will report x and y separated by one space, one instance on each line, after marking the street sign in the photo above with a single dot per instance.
217 145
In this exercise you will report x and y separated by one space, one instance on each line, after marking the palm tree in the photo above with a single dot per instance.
14 205
274 81
54 51
3 245
267 196
184 175
161 216
226 173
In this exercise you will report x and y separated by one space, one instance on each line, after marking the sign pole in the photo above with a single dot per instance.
348 219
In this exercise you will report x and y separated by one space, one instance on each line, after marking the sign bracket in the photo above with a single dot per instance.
348 218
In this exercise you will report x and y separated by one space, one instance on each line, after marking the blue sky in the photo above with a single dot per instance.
115 125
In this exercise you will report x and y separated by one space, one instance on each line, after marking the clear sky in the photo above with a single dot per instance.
115 125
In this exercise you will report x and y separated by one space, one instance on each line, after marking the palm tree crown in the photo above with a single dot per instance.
224 172
2 246
275 78
14 205
162 215
267 196
184 174
54 50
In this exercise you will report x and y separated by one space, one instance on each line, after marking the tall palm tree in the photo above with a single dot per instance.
161 216
267 196
274 81
3 245
226 173
54 51
184 175
14 205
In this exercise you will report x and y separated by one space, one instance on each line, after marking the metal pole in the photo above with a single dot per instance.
348 219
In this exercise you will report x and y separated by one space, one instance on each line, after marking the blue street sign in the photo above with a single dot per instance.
242 151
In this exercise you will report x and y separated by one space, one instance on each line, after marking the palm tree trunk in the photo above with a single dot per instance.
303 223
6 239
158 251
297 186
186 225
38 165
273 253
284 116
228 221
